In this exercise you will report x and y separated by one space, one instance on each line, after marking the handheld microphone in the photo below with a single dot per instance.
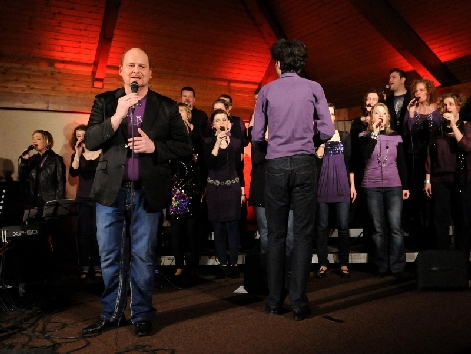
386 89
134 87
29 148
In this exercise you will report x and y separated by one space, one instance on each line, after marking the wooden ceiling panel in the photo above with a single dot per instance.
443 25
48 47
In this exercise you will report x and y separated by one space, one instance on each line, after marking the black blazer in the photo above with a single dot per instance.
162 123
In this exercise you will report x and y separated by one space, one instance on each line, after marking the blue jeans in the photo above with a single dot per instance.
263 230
290 181
233 237
342 210
118 231
387 203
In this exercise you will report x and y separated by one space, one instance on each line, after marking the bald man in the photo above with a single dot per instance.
139 131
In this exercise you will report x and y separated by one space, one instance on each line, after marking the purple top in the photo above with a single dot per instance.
131 171
381 169
333 184
289 106
421 127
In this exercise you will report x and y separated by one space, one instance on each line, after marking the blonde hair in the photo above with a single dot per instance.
46 136
370 129
187 109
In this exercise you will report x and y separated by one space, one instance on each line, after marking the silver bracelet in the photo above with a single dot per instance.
374 136
427 181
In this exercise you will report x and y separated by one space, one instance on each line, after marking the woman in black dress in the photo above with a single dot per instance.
185 207
224 190
84 164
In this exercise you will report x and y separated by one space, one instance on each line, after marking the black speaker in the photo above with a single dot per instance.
441 269
255 274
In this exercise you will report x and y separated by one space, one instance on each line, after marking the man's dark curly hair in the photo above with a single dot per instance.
292 55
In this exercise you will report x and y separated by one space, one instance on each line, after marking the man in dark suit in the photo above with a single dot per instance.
138 132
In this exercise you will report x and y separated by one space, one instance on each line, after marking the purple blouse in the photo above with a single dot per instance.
381 168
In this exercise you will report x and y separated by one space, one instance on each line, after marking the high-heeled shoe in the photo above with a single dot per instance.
321 272
344 272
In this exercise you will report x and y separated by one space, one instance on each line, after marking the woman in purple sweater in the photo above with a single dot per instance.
385 186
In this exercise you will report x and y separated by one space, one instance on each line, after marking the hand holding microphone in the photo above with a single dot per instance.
124 103
25 153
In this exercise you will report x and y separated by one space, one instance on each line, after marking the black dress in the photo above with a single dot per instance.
223 189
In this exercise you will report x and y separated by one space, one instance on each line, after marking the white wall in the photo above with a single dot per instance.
17 126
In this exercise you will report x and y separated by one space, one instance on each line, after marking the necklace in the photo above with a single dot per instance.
382 159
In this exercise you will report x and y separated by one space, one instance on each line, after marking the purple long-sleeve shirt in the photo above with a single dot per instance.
289 106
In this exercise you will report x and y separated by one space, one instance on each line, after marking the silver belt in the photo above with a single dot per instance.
223 183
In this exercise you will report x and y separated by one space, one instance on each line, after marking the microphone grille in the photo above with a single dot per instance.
134 87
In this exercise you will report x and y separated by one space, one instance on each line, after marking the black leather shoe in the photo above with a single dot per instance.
381 275
399 277
102 325
302 313
272 310
143 328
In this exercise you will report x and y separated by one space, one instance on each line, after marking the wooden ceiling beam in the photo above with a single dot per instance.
389 23
265 20
110 17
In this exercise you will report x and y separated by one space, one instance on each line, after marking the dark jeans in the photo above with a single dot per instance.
180 227
342 210
290 181
233 237
448 203
86 234
416 207
387 202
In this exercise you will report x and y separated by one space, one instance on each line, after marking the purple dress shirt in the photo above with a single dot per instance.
289 106
131 171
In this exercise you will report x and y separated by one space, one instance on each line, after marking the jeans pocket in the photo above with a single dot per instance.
306 177
275 184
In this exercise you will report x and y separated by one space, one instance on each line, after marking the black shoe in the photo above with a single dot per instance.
221 273
321 272
381 275
344 273
399 277
234 272
143 328
272 310
103 325
302 313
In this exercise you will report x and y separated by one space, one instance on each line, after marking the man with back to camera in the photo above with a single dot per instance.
139 131
288 107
